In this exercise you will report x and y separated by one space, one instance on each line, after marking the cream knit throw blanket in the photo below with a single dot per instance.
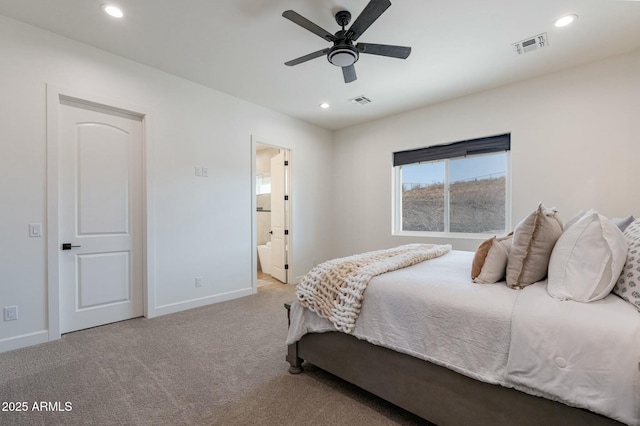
335 289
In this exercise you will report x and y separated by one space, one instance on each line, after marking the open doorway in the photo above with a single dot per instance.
271 214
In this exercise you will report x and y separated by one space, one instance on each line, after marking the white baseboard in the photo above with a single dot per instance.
203 301
17 342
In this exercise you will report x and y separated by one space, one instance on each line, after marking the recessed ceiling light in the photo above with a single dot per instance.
324 105
565 20
112 10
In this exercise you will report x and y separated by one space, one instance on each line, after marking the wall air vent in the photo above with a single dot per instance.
530 44
362 100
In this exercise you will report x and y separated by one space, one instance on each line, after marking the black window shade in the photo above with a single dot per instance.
454 150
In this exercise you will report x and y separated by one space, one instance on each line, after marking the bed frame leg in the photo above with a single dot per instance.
295 362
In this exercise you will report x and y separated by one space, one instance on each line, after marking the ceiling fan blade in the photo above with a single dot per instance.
371 12
308 57
349 73
401 52
296 18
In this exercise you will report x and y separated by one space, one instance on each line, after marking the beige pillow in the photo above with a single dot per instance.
533 241
492 258
480 256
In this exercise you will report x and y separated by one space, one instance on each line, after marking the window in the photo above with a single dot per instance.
263 184
459 188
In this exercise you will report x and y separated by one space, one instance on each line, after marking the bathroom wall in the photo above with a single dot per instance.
263 201
263 159
264 226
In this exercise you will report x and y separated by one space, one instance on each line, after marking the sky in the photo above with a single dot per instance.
460 169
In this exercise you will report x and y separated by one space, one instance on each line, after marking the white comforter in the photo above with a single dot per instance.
584 354
434 311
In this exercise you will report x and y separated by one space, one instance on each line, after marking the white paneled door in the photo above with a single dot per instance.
278 217
100 215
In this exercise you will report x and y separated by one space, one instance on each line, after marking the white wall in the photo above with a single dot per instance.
575 139
202 225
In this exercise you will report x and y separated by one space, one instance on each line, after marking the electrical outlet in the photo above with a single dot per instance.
198 281
205 172
10 313
198 171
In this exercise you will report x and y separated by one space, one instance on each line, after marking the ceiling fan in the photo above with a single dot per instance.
344 53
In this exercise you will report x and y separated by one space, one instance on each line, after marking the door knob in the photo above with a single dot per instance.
67 246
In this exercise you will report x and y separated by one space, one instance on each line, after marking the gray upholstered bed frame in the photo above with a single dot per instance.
434 393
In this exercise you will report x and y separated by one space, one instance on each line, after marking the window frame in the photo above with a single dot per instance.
396 214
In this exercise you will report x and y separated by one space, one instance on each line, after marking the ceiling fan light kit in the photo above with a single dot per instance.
344 54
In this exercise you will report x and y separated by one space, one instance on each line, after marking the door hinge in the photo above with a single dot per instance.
286 197
286 266
286 232
286 163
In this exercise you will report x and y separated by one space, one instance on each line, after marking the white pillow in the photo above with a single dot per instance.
587 259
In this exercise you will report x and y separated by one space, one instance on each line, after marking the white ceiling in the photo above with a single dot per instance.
240 46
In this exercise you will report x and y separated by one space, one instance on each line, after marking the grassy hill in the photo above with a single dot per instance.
476 206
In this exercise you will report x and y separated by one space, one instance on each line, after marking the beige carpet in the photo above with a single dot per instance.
217 365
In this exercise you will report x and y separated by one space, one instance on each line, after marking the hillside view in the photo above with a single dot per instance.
476 206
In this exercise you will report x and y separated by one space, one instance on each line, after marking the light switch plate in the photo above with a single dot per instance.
35 230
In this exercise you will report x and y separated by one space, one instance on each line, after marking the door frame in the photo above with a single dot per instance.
255 141
54 96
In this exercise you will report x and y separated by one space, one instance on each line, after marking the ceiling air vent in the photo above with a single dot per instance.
531 44
362 100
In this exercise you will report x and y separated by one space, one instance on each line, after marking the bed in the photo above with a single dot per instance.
453 352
